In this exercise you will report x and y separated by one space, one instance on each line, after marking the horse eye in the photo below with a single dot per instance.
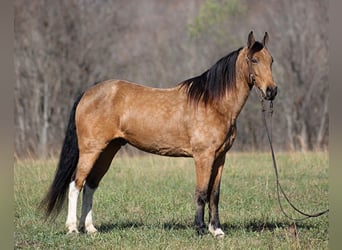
254 60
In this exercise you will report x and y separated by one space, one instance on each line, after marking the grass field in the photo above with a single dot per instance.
147 203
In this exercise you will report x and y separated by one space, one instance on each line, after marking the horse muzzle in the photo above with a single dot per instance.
271 93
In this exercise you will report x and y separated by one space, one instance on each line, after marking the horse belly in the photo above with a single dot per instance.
161 139
153 120
165 150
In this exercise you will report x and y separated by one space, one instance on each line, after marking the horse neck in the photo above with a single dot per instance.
237 97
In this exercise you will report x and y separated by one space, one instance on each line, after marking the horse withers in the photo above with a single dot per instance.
197 118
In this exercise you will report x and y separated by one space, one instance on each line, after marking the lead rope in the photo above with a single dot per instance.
279 187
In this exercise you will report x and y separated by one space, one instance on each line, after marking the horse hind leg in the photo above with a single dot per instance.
86 221
99 169
71 222
84 166
86 163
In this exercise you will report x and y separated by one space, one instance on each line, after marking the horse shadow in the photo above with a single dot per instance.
108 227
251 226
263 226
167 226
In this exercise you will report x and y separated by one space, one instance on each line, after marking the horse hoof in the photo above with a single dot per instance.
217 233
72 231
91 230
72 228
201 231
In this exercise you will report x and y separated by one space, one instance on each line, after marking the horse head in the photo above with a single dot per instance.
259 61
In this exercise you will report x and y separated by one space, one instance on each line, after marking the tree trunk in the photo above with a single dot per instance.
44 135
321 130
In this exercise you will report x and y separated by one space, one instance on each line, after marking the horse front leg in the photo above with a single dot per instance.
214 188
203 173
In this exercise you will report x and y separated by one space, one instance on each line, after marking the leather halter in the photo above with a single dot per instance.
251 77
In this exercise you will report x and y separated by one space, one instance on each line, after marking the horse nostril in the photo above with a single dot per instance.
271 92
275 91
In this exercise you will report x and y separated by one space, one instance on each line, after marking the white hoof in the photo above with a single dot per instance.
72 229
217 233
91 229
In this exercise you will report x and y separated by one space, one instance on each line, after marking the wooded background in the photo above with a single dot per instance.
63 47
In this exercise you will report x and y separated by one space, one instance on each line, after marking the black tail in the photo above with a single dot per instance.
54 199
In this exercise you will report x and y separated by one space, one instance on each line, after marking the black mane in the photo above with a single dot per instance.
212 84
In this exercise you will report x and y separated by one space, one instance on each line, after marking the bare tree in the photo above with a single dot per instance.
53 63
303 59
63 47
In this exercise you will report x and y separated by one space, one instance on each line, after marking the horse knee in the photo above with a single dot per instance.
201 197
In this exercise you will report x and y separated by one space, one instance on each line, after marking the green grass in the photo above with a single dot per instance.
147 203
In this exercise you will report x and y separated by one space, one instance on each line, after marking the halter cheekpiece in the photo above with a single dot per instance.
251 77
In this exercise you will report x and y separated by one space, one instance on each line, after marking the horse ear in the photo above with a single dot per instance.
266 39
250 40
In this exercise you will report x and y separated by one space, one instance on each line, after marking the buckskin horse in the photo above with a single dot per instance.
196 118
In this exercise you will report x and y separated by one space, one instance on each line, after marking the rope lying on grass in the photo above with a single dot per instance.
279 187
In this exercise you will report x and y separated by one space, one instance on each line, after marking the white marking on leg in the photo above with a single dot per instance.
71 222
217 233
86 221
